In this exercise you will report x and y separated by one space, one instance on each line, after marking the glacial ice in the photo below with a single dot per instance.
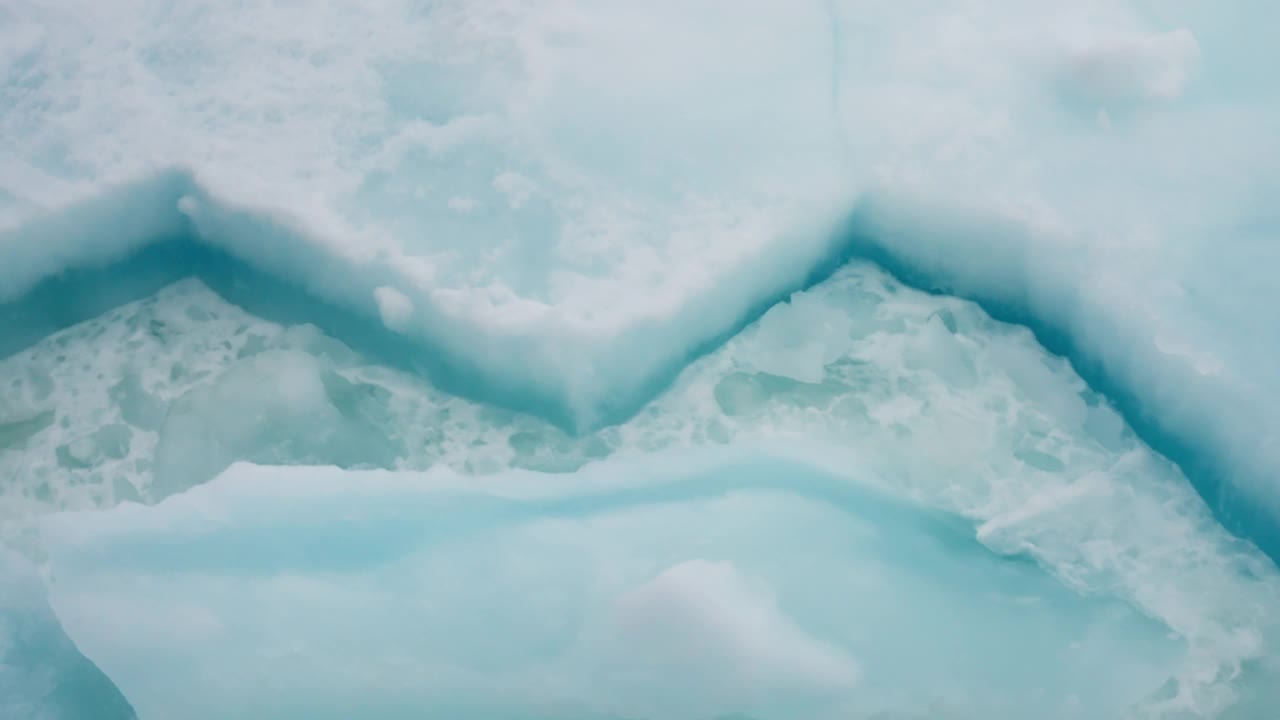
585 238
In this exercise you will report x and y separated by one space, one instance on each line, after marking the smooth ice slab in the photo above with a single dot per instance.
679 587
928 394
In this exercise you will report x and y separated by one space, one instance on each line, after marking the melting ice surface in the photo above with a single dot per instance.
564 308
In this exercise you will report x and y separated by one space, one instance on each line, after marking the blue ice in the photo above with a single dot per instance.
700 321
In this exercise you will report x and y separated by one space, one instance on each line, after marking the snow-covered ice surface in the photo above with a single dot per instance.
587 238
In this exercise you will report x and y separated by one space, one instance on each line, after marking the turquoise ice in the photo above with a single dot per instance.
614 351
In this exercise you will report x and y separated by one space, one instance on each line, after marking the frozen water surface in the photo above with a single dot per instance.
680 360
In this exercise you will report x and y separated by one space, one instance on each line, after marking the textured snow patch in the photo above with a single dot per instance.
395 308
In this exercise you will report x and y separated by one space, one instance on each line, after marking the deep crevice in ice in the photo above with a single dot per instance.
1206 464
73 265
924 394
